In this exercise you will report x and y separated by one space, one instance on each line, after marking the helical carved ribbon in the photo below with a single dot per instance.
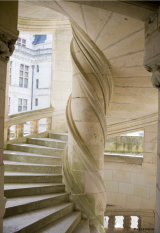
82 167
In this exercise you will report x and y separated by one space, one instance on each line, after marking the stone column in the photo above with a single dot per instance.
152 64
8 37
61 75
86 119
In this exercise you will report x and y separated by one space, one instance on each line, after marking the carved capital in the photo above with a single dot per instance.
7 41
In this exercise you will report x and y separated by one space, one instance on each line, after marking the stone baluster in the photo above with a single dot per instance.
139 222
48 123
86 119
111 222
127 222
8 133
19 130
34 126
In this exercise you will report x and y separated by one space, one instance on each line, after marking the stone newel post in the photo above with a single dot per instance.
8 37
152 64
86 119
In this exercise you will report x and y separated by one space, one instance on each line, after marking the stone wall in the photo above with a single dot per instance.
131 185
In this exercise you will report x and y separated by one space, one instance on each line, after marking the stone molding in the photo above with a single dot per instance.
124 127
7 41
32 25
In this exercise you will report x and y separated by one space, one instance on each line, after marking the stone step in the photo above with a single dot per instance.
18 205
63 225
49 142
31 167
34 220
18 190
19 177
59 136
82 227
94 230
30 148
31 158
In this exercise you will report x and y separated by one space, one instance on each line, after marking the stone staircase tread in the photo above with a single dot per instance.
29 185
32 220
8 173
37 146
94 230
6 162
82 227
28 154
50 139
59 133
17 201
62 225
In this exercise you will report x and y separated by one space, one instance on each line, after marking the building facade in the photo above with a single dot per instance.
30 73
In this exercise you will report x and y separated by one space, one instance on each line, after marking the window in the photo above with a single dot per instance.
9 101
37 68
23 76
36 102
37 83
21 42
10 73
22 105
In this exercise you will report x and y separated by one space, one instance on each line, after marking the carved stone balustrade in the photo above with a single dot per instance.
34 116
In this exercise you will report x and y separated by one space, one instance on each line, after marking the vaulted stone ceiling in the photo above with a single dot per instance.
121 39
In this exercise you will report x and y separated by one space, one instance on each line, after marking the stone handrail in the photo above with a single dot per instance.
34 116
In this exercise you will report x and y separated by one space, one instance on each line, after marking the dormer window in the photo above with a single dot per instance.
21 42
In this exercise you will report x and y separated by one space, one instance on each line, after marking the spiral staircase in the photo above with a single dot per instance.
36 197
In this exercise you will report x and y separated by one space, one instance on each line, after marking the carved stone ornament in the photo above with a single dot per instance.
6 46
155 79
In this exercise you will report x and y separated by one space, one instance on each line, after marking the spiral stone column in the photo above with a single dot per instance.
86 118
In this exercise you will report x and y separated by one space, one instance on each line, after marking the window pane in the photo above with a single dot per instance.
37 83
8 108
10 63
22 67
26 83
20 82
23 41
19 108
24 102
9 100
37 68
26 75
36 102
24 108
26 68
19 39
23 45
18 43
10 80
19 101
21 73
10 70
